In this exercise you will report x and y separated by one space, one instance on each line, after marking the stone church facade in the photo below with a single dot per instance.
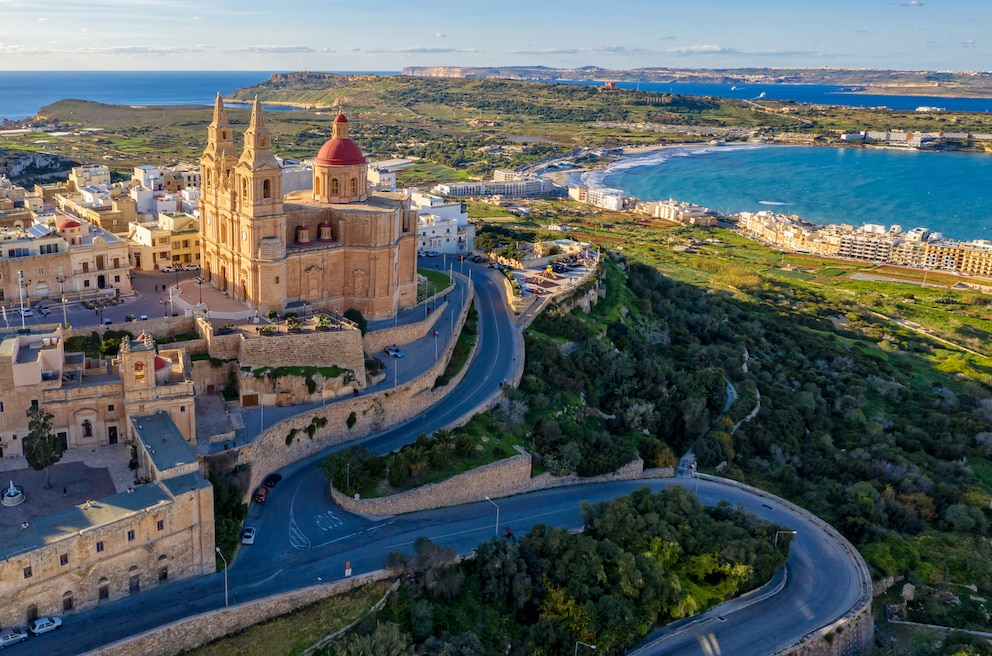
333 247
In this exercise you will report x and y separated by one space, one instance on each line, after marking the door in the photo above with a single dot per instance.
101 281
112 434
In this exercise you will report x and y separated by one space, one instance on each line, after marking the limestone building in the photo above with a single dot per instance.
113 547
334 247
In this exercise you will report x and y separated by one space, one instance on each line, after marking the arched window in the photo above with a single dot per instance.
244 188
316 186
266 189
353 186
335 187
103 590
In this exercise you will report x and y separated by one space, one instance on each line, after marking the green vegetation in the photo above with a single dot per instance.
95 346
608 585
429 459
293 633
229 514
42 447
463 347
435 281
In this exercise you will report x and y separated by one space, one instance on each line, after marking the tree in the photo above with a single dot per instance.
42 447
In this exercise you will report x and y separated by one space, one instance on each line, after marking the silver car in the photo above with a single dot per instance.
12 637
44 625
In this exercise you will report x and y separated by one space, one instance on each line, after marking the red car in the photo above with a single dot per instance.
261 494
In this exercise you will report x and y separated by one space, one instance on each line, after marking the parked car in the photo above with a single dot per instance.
169 269
271 480
261 494
26 312
44 310
142 317
44 625
395 351
191 267
107 322
248 535
12 637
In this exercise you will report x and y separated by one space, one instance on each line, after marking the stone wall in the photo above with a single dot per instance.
499 479
198 630
305 349
206 375
373 413
160 327
377 341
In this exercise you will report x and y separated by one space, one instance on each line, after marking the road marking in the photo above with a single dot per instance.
266 579
297 538
346 537
329 522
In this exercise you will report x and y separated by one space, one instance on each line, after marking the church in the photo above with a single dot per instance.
333 247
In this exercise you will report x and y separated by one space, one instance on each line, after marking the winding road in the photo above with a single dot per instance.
305 539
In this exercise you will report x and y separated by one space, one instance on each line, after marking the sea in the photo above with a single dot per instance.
943 191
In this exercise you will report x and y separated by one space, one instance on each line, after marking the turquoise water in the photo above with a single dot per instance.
943 191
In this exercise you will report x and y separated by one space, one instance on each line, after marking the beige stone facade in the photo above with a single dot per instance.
116 546
334 247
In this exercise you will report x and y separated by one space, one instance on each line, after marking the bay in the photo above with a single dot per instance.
943 191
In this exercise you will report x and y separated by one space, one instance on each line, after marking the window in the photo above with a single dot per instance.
117 279
99 546
110 408
34 403
86 283
161 525
266 189
64 559
335 187
130 536
182 408
353 187
277 280
27 572
1 406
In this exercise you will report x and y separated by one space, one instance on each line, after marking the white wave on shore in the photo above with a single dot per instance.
595 179
772 202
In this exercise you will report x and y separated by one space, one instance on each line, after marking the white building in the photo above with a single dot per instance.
442 225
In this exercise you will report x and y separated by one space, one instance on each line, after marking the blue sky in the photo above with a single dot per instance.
386 35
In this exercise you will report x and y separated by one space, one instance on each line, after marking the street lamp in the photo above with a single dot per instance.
497 514
61 279
199 289
575 652
777 533
217 549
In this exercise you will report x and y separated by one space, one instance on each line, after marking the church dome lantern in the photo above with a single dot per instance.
303 236
340 171
324 233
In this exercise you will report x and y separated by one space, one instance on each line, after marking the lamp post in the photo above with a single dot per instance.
217 549
575 652
61 279
778 533
20 294
497 514
199 289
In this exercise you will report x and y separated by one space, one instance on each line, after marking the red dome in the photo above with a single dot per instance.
340 152
340 119
69 223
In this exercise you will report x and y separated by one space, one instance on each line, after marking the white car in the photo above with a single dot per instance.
169 269
248 536
44 625
27 312
191 267
394 351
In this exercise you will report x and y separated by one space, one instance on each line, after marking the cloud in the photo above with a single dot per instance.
970 43
595 50
439 35
912 3
669 38
413 51
117 51
272 50
711 49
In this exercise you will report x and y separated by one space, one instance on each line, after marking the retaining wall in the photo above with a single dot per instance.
342 348
373 413
193 632
377 341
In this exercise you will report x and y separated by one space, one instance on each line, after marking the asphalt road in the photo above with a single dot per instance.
305 539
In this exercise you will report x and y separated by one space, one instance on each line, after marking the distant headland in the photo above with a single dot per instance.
861 80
